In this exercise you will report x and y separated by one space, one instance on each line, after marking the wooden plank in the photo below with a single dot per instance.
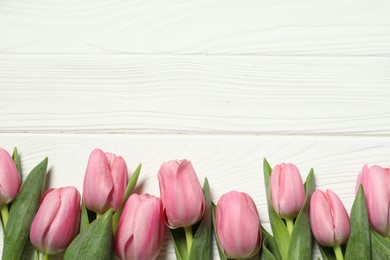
192 94
302 27
229 162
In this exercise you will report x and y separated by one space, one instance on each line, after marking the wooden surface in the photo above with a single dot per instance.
222 83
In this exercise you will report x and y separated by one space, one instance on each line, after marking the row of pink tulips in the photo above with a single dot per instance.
141 227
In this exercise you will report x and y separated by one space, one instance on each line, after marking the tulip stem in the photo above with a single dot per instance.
45 257
189 238
290 225
338 252
4 215
98 215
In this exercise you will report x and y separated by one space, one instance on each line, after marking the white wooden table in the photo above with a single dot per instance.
222 83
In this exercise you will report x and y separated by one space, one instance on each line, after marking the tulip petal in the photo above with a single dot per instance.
119 177
9 178
341 223
275 186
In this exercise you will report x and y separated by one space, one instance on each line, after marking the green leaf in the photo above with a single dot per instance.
179 243
221 253
380 246
279 229
269 249
358 246
84 220
95 242
327 253
202 243
300 241
16 159
22 213
129 190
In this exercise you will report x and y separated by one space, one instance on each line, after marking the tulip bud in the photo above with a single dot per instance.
141 228
287 191
376 185
57 220
9 178
329 220
181 194
238 225
105 181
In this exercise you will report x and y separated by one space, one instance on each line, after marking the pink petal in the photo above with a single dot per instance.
342 225
10 180
120 177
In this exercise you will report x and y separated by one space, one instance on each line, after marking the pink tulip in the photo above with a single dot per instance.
181 194
238 225
329 220
376 185
104 182
9 178
57 221
141 228
287 191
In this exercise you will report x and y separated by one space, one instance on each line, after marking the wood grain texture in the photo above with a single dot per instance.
229 162
300 27
219 95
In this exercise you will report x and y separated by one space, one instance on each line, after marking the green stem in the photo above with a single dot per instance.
290 225
338 252
189 239
98 215
4 215
388 238
45 257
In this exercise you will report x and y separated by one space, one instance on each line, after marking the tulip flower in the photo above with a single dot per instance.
9 178
57 220
238 225
141 228
287 192
376 185
104 182
329 219
181 194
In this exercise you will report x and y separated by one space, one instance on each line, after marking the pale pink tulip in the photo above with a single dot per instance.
287 191
57 221
181 194
238 225
329 220
376 185
141 228
105 181
9 178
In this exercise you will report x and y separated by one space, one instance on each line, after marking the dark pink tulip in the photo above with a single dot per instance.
57 220
287 191
329 220
238 225
9 178
181 194
376 185
141 228
105 181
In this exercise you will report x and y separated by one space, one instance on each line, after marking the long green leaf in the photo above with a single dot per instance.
16 159
95 242
358 246
84 220
269 247
22 213
279 229
129 190
301 240
179 243
221 253
202 243
380 246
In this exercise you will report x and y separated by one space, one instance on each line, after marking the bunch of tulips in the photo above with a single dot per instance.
110 221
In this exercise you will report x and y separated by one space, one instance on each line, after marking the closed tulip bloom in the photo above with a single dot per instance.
105 181
57 221
287 191
376 185
9 178
141 228
181 194
238 225
329 220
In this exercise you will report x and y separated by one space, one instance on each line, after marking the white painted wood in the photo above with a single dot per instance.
300 27
229 162
192 94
